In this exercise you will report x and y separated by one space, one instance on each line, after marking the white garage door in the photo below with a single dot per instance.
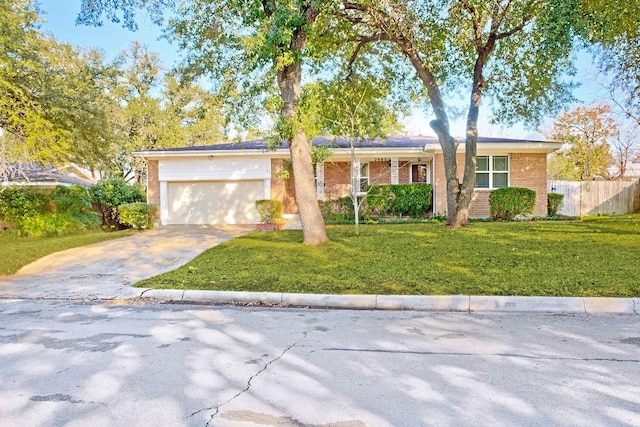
214 202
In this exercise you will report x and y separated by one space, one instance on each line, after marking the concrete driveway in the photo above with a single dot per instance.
107 270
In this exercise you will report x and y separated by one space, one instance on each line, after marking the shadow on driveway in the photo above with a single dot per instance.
106 270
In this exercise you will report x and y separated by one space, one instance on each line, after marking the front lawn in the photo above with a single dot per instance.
16 252
592 257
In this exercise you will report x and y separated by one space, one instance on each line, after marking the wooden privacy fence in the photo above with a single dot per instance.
597 197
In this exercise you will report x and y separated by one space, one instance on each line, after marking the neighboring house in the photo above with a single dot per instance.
219 184
632 171
36 175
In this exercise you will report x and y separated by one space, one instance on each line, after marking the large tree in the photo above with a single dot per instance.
596 145
245 46
154 109
612 29
513 51
52 103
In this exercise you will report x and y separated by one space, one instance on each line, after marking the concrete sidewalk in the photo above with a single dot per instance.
107 271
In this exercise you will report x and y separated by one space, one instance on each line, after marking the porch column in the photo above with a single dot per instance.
395 179
320 180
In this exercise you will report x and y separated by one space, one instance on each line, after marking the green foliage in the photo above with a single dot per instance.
53 108
34 213
270 211
339 210
20 202
508 202
412 200
108 194
359 107
138 215
613 27
408 200
554 201
75 200
56 224
156 110
587 134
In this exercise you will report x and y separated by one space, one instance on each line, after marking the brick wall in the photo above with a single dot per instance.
404 172
379 172
153 185
337 180
283 189
527 170
337 176
530 171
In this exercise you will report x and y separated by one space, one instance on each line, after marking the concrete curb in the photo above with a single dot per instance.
463 303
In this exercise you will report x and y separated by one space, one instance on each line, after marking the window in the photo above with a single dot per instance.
492 171
419 173
364 177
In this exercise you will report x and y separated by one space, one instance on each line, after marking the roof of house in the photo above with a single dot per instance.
340 142
633 170
39 175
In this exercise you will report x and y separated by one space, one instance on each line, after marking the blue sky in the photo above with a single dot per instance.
113 39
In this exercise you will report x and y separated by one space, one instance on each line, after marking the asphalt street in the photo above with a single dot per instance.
74 363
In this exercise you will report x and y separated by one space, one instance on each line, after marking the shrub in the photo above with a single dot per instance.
108 194
32 212
338 210
554 201
138 215
270 211
75 200
56 224
508 202
412 200
17 203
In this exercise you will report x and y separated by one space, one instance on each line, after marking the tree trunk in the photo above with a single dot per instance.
313 226
457 203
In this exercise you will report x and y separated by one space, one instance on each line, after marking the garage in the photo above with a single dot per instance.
213 202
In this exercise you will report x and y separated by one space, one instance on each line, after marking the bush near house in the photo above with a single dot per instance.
138 215
34 213
554 201
412 200
108 194
386 200
340 210
18 202
270 211
508 202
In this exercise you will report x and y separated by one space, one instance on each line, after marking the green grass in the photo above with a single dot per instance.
16 252
597 256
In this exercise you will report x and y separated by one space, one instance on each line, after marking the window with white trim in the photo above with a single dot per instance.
492 171
419 173
364 177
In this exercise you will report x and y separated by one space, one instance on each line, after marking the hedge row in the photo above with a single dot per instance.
388 200
111 204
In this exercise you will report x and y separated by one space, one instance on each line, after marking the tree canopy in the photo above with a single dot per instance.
60 104
52 103
515 52
586 133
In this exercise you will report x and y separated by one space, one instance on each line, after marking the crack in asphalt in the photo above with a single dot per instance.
216 408
512 355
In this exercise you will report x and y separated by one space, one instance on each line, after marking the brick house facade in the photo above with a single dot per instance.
220 183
